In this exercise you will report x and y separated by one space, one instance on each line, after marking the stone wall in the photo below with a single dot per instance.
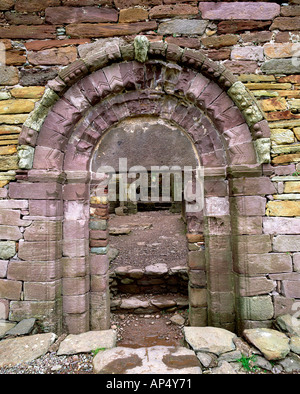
257 41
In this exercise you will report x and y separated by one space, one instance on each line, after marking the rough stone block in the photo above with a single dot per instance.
77 323
75 229
47 158
41 310
256 308
3 268
42 291
7 249
34 271
245 244
74 267
291 288
99 264
10 233
62 15
283 208
247 225
196 259
47 208
280 225
76 285
182 27
253 286
248 205
251 186
75 247
44 251
37 191
245 10
76 304
286 243
10 289
76 191
197 297
216 206
267 263
43 230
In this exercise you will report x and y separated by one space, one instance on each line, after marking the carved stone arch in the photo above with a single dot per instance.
95 93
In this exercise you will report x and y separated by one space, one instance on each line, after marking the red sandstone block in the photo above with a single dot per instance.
42 291
76 191
76 304
77 323
11 217
4 309
63 15
24 32
41 250
211 92
98 234
34 5
99 264
10 289
47 158
34 271
76 285
269 263
99 283
37 191
73 267
248 205
75 247
98 242
43 230
108 29
234 26
245 10
45 208
291 288
76 229
251 186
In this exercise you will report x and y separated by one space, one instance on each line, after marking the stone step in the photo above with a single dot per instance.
148 304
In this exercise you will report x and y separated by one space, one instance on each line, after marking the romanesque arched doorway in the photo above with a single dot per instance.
228 133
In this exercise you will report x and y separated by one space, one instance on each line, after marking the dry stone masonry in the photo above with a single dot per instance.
226 75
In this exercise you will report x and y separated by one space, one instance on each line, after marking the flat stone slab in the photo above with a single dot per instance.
24 327
14 351
5 326
209 339
147 360
88 341
273 344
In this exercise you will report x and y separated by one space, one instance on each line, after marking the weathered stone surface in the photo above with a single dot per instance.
182 26
209 339
34 5
289 324
234 26
24 349
24 327
265 263
5 326
133 14
286 23
256 308
220 41
247 53
33 77
283 208
108 29
88 341
245 10
151 360
169 11
63 15
54 56
24 31
286 243
8 75
280 66
273 344
11 233
7 249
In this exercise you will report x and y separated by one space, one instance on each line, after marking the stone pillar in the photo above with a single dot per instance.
76 283
99 262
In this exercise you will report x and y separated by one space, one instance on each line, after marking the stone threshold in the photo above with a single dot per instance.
148 303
